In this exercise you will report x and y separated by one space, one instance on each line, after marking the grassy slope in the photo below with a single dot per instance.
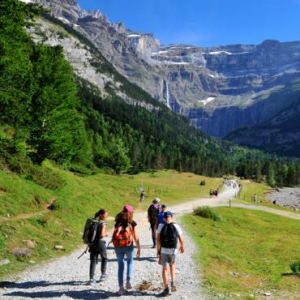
246 252
29 219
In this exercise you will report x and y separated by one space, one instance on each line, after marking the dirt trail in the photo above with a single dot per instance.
45 208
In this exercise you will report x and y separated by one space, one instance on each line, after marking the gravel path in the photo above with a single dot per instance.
66 277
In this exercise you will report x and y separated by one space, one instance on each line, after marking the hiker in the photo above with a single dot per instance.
255 198
153 212
98 247
124 235
161 219
167 237
142 196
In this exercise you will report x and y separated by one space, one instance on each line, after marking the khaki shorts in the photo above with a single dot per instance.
167 259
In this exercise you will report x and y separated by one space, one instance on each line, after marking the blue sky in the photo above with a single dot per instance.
206 22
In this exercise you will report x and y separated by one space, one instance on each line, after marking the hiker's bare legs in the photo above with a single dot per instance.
172 272
165 276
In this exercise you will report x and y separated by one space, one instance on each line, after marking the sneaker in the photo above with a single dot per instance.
165 292
128 285
103 277
121 291
92 281
173 288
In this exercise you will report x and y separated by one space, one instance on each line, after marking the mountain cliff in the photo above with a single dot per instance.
220 89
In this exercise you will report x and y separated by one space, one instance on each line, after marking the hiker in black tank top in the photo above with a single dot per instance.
99 248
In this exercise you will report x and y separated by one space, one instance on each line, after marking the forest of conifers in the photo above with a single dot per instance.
49 113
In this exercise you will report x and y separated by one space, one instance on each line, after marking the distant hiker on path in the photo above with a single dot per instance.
153 212
142 196
123 236
97 245
167 238
255 198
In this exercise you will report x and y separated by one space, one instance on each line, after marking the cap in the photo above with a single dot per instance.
168 214
128 208
156 200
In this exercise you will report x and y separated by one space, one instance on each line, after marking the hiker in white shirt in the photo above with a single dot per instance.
167 238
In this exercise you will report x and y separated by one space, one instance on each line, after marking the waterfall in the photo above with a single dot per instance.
166 93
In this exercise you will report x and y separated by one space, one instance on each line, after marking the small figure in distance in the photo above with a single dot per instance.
167 239
142 196
255 198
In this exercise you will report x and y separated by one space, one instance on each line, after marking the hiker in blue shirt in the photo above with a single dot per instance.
161 219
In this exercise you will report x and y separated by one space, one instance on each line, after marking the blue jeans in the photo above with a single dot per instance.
121 252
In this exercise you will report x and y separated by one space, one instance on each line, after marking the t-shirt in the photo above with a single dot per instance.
169 250
161 218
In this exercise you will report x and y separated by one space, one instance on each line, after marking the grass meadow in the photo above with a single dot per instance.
24 214
244 255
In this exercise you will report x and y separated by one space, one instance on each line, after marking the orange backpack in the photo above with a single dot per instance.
123 236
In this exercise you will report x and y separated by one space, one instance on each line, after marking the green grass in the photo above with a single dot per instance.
80 197
250 188
246 253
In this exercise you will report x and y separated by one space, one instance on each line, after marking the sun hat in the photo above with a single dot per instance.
128 208
156 200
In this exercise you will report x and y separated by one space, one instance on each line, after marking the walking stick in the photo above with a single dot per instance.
85 251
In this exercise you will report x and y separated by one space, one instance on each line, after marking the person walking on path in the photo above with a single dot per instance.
98 247
161 215
167 238
124 235
142 196
153 212
255 199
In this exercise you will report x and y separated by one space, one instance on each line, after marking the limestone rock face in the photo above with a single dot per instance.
221 89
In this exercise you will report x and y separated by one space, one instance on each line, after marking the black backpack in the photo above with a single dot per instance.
91 231
169 236
152 212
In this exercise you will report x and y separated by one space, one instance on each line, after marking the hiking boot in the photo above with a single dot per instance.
103 277
173 288
92 281
166 292
121 291
128 285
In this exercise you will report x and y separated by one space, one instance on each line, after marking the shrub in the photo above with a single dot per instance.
202 182
207 212
296 267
